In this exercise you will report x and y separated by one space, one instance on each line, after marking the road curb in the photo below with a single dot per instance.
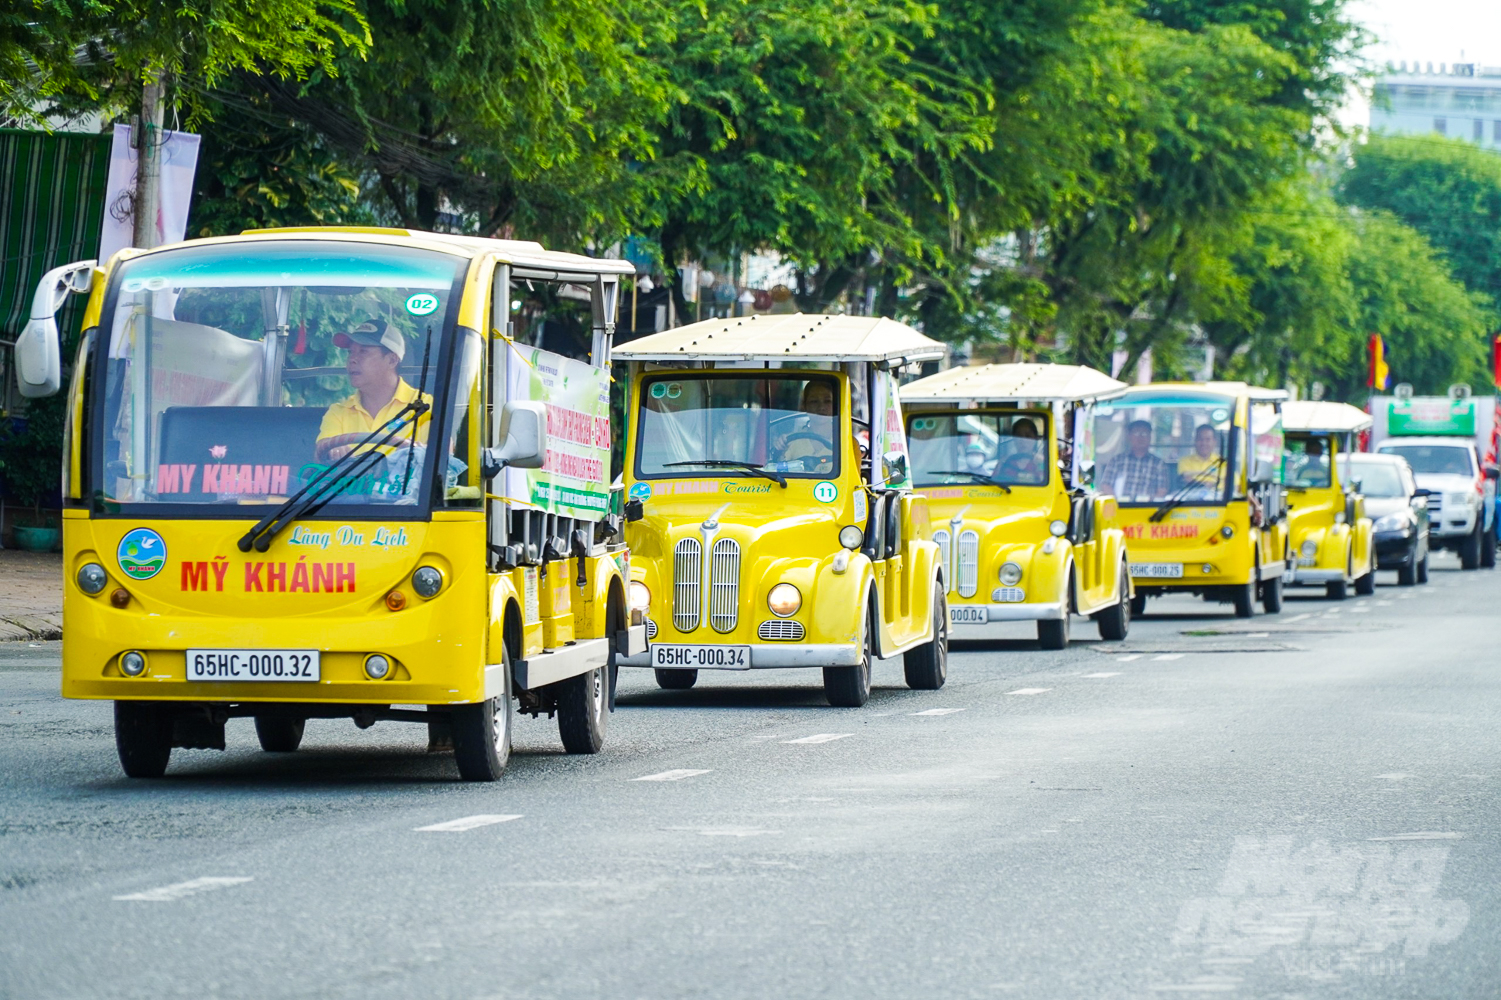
19 628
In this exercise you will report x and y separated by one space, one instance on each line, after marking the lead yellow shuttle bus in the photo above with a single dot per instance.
328 473
776 522
1332 541
1193 468
1023 536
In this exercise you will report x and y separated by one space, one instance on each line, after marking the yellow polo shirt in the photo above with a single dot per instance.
1193 467
348 417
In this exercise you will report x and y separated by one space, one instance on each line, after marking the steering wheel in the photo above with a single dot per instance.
800 435
1015 465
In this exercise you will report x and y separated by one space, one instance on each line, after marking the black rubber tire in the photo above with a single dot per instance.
1365 586
1423 569
143 738
279 733
927 666
1469 550
1115 621
1407 573
1245 598
1271 595
482 733
1053 633
849 687
676 680
1138 605
1488 550
1336 590
584 710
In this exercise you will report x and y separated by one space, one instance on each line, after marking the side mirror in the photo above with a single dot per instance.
1492 472
1263 471
635 510
523 429
1421 492
894 464
39 370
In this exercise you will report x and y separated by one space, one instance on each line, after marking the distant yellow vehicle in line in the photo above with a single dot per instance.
774 521
1193 470
1023 537
1332 540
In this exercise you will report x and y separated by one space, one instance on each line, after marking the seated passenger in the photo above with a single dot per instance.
375 352
1136 473
1313 465
1026 465
812 444
1204 470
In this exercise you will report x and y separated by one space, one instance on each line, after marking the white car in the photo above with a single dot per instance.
1461 500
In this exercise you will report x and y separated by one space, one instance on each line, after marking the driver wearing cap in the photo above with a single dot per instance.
375 352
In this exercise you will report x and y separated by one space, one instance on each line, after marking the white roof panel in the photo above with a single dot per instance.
791 337
1044 383
1311 415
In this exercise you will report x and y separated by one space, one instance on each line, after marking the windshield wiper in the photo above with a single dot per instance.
978 477
725 463
1181 494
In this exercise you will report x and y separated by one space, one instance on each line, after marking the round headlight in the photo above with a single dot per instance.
1228 530
850 536
377 666
639 595
1309 549
427 581
1011 574
784 600
92 578
132 664
1058 528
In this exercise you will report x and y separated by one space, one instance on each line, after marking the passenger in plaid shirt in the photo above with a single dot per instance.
1137 473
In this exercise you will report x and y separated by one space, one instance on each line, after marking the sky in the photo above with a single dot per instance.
1427 31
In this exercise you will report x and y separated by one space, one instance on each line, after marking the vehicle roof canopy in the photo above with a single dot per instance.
1014 382
789 337
1316 416
1255 393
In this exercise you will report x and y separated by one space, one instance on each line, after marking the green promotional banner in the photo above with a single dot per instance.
572 481
1431 416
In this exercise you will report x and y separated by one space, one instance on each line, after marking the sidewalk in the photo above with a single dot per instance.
31 595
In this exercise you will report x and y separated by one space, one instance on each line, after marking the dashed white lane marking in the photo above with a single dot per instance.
1029 691
1255 635
724 831
1404 597
1359 611
1298 618
467 823
193 887
939 711
1423 835
1105 673
1203 984
1128 658
676 774
820 738
1169 656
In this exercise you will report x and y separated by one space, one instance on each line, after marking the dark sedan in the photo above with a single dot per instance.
1398 510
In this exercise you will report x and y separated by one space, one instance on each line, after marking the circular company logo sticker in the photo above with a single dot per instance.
825 492
641 491
142 554
421 304
658 390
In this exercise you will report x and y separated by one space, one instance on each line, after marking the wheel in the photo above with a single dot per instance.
1407 573
1469 550
927 666
279 733
1271 595
1365 586
676 680
1488 550
1245 598
1138 605
849 687
1115 621
143 737
482 733
1336 590
1053 633
583 710
1423 569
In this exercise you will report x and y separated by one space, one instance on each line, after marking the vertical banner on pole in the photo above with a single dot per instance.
179 155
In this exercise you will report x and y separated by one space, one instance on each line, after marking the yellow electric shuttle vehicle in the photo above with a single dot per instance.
338 473
1332 541
1193 468
773 522
1021 537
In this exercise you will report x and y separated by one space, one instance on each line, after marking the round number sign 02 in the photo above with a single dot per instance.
422 303
825 492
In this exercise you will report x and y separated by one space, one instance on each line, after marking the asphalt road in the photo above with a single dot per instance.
1302 806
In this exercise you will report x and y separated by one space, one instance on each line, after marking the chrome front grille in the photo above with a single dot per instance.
780 630
724 585
941 537
1435 502
1008 595
687 567
969 563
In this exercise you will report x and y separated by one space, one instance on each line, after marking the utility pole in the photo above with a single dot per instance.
147 138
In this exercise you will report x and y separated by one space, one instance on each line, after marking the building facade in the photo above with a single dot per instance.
1462 100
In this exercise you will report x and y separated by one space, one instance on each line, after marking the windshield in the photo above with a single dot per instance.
1376 479
235 373
1434 459
1006 448
1305 463
1148 447
698 425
